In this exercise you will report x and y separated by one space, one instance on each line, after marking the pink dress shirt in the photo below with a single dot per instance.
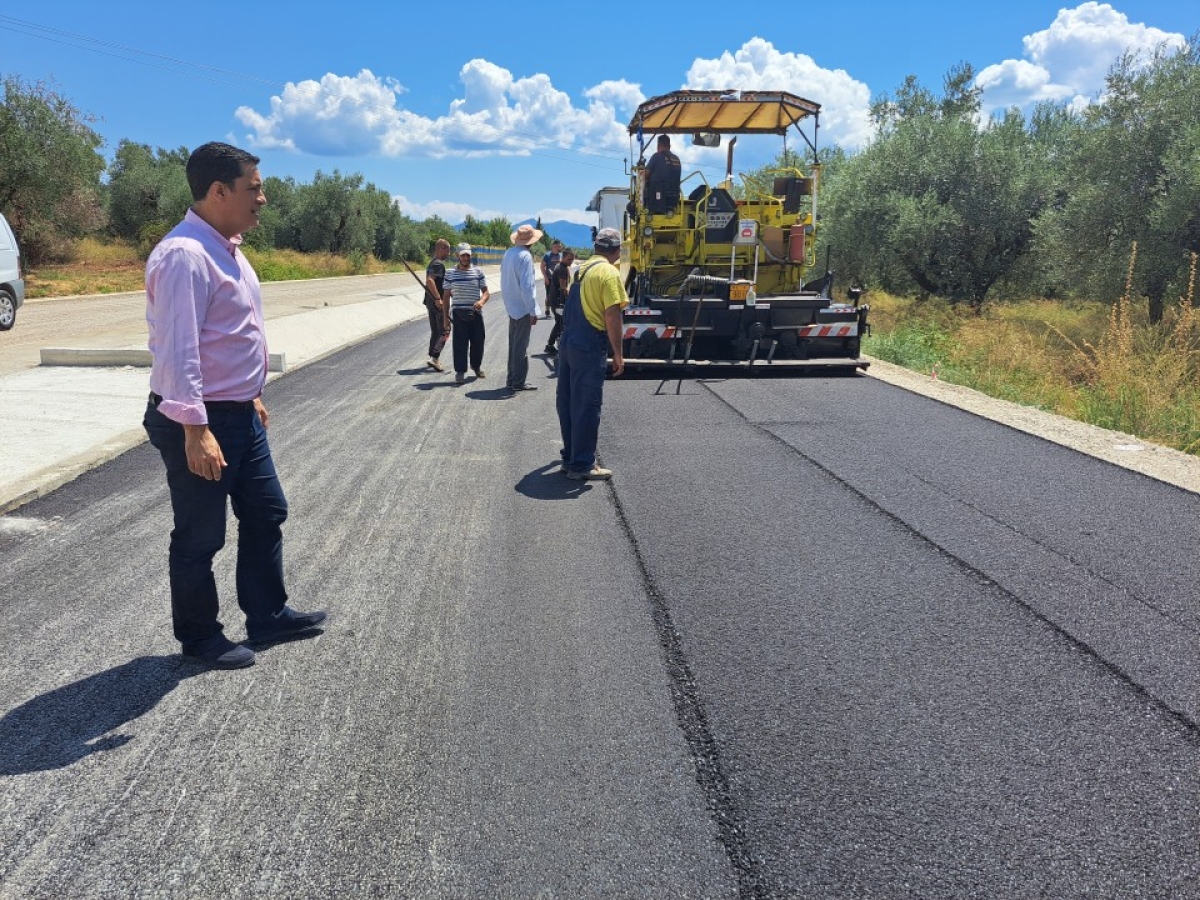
204 312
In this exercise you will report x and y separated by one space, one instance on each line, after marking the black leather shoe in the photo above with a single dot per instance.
226 655
284 625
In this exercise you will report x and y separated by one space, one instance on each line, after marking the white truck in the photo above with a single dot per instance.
609 204
12 285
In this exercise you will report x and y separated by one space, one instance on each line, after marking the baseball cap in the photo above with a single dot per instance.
608 239
461 249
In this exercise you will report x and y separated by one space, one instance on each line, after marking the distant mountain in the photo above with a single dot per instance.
570 233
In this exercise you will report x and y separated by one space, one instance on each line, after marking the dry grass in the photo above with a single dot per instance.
290 265
106 267
1099 363
98 268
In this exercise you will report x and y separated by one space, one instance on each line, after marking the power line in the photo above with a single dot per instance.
107 48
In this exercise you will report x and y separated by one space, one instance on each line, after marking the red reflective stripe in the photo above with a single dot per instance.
660 331
846 329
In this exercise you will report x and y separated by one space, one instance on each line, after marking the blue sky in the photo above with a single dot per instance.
500 109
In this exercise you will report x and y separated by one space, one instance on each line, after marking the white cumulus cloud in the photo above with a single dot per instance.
502 114
578 216
1069 59
444 209
339 115
497 114
758 65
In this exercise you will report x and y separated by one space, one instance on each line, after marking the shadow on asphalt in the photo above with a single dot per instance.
500 393
263 646
548 483
434 385
61 727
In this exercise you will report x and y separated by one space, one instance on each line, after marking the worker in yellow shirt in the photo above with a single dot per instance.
591 326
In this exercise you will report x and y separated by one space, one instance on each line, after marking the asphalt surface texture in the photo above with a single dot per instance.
820 637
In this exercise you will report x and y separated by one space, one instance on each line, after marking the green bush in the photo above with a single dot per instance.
917 346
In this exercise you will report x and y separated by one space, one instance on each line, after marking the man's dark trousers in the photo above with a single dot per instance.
468 336
556 331
582 365
250 483
518 351
437 331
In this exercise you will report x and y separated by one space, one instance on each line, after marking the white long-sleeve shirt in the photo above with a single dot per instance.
518 283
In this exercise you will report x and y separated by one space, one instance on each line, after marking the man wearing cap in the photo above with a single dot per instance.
518 288
591 326
465 294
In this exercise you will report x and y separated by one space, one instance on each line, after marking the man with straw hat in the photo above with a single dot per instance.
518 288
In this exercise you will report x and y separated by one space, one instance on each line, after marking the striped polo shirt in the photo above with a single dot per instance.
465 286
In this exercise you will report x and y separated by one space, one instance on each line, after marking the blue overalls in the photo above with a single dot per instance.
582 365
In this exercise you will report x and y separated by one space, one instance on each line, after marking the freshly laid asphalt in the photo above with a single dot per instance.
83 405
827 639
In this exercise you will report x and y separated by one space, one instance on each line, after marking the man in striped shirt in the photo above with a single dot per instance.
465 290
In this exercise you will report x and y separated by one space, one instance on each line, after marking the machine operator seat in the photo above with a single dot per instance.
792 190
661 197
716 211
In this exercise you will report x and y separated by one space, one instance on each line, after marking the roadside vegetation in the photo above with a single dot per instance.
79 218
1047 258
1101 363
112 266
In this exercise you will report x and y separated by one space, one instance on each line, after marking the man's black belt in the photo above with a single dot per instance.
155 399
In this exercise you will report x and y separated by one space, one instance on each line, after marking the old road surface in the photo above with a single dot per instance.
819 638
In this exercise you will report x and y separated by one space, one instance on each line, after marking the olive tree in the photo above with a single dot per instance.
329 218
1131 177
50 169
147 191
494 232
938 202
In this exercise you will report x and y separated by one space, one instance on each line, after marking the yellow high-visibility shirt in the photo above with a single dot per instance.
601 289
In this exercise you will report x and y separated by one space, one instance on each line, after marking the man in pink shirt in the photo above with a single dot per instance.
206 416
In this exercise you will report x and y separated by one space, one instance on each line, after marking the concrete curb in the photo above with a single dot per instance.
308 337
119 357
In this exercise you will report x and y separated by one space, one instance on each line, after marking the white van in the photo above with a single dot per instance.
12 286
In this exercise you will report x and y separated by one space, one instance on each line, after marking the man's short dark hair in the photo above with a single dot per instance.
664 141
215 161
